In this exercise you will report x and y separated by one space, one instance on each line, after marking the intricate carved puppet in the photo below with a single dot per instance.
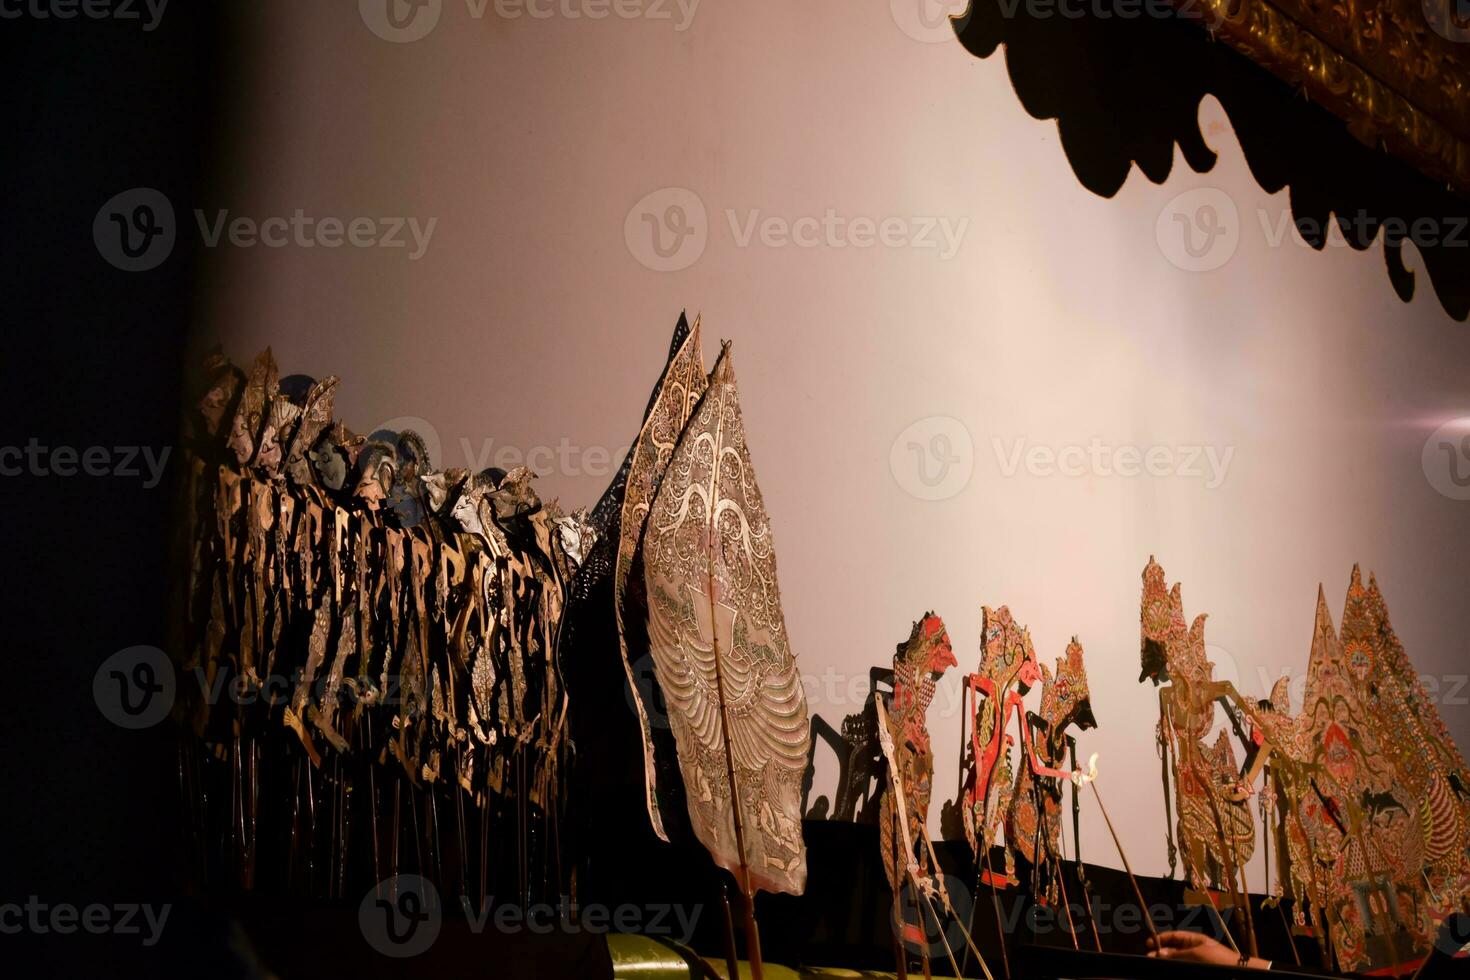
1391 826
718 636
993 694
343 590
1034 819
680 389
1366 784
903 736
1215 828
917 666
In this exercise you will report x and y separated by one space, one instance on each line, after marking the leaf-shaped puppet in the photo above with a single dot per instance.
683 383
720 649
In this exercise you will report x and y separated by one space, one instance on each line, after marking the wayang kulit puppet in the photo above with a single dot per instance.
399 622
909 860
722 655
1215 829
1023 797
1034 818
1363 788
917 665
1390 820
679 391
993 694
625 761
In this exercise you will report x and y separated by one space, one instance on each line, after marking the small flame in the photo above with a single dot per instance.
1088 775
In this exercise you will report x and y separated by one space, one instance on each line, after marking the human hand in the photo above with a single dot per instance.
1196 947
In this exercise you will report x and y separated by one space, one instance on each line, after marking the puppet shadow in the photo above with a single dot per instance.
860 765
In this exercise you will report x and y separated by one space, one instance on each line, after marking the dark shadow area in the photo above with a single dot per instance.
92 107
1126 91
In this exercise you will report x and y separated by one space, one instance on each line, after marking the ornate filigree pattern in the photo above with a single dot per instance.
720 649
1007 670
1033 822
682 385
1396 825
1383 67
400 623
1369 788
918 664
1216 832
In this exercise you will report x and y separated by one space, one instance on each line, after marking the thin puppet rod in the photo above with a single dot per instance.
1090 778
752 932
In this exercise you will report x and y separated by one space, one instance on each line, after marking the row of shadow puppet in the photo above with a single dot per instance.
426 668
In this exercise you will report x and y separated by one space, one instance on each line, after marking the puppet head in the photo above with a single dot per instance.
928 650
1065 698
1007 655
1156 625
